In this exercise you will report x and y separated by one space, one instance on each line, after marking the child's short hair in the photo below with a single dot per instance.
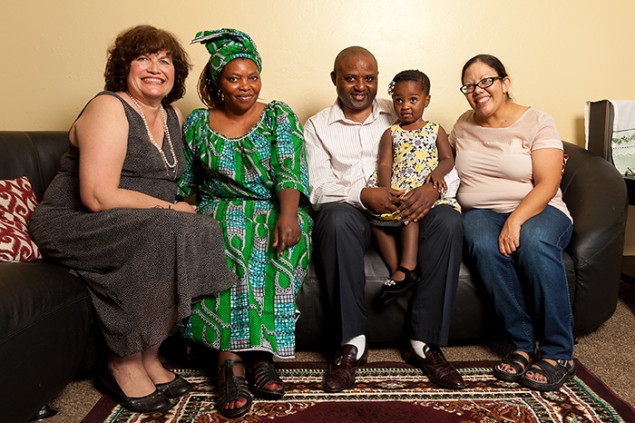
411 75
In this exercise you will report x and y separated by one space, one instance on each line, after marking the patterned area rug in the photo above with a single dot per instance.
394 392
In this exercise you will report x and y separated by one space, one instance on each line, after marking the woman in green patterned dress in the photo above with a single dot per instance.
245 161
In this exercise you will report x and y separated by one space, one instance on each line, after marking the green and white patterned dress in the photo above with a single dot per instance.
237 181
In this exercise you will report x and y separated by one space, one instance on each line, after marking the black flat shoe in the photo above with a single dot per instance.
392 289
155 402
175 388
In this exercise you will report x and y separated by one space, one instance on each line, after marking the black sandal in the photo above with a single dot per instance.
265 373
232 388
556 375
517 362
391 289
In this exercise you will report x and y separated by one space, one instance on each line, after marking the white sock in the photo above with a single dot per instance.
359 342
420 348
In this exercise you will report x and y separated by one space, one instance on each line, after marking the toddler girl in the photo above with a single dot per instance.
412 152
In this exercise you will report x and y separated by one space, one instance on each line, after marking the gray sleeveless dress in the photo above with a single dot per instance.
144 267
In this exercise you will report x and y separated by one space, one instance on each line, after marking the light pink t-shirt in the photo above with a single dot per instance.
495 165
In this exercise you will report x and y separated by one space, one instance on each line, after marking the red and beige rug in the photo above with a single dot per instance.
393 392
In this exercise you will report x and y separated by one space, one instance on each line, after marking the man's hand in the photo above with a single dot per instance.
381 199
418 202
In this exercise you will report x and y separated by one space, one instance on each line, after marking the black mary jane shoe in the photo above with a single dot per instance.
231 388
265 373
392 289
517 362
175 388
156 402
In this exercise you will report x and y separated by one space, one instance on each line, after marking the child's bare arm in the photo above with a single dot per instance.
446 161
384 162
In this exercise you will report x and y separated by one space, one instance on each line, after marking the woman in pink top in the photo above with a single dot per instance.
509 158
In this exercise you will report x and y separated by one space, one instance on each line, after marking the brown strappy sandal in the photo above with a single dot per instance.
232 388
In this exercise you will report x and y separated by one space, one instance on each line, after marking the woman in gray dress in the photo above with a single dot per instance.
112 217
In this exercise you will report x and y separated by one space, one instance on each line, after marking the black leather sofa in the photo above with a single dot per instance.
46 313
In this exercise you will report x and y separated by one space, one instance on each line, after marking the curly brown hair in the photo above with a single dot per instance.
145 39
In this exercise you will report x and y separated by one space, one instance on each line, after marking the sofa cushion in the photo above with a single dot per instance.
17 202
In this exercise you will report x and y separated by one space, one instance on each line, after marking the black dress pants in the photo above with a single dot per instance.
341 236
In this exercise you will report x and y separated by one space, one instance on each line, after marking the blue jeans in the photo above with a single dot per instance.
529 289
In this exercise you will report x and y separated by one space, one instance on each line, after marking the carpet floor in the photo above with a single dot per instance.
388 391
606 353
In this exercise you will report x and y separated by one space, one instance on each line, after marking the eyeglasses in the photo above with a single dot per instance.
483 83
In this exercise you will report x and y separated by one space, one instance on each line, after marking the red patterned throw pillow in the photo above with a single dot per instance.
17 202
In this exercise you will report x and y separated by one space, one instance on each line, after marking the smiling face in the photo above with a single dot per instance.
409 101
151 76
355 79
485 101
240 84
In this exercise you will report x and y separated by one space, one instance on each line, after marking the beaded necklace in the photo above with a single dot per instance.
170 168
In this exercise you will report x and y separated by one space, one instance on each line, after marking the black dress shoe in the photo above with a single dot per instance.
436 367
340 374
156 402
175 388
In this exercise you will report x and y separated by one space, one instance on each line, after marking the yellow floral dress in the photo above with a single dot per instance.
415 155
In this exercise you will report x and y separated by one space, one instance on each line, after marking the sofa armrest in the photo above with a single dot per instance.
595 194
45 313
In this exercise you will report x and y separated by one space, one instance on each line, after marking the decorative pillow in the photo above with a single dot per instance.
17 202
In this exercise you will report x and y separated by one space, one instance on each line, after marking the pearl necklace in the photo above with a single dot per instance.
170 168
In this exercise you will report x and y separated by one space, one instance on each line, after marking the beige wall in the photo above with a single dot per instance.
558 53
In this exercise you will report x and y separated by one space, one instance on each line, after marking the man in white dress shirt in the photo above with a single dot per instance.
342 145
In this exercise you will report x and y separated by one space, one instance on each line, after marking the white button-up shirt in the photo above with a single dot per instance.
342 154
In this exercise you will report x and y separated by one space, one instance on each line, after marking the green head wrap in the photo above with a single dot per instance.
225 45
